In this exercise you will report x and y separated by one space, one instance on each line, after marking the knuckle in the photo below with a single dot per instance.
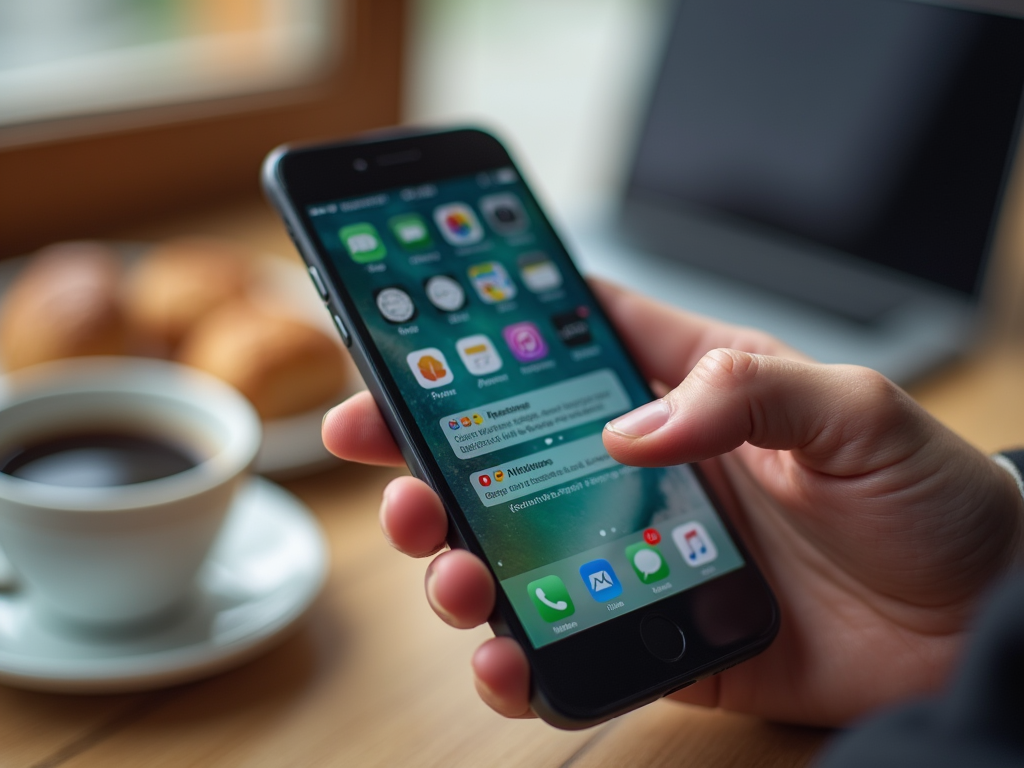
872 386
726 367
876 395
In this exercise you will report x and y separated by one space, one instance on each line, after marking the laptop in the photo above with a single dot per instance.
830 171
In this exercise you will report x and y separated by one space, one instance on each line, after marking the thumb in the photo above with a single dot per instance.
837 419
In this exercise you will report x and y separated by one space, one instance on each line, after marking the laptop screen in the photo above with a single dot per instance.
881 128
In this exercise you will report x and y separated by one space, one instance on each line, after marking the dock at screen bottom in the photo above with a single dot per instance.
627 573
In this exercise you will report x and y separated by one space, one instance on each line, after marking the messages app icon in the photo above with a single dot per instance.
601 580
647 561
362 243
551 598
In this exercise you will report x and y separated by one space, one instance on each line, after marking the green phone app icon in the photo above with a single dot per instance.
410 230
647 562
363 243
551 598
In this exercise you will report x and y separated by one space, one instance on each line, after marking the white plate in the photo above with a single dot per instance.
263 574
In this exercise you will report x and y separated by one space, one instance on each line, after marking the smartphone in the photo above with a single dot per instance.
496 371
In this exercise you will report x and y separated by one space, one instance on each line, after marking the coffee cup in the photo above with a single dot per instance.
116 475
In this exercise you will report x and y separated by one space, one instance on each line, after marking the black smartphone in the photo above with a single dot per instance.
496 370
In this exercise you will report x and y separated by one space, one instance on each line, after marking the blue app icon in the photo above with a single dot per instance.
601 580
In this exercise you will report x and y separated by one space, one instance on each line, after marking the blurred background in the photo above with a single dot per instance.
565 83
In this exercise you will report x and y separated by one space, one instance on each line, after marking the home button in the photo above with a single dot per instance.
662 638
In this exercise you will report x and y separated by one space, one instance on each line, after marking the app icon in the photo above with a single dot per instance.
445 293
601 580
525 342
504 213
572 327
551 598
479 356
395 305
694 544
466 422
429 367
499 476
491 282
478 419
539 273
453 424
362 243
484 480
410 230
647 561
458 224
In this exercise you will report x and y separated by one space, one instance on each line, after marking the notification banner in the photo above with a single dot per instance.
541 412
529 474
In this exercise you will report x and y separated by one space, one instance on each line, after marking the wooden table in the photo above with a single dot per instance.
372 678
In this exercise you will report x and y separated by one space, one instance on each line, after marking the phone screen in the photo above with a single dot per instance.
511 372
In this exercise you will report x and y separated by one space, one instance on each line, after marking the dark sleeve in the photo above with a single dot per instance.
979 721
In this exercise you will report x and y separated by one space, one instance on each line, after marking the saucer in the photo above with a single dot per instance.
263 574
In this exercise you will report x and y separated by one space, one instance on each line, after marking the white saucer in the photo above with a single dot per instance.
262 576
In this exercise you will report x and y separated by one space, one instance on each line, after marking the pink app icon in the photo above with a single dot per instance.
525 342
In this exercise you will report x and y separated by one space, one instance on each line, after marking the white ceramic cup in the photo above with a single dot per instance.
125 554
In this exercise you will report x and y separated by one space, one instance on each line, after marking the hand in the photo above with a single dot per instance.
877 528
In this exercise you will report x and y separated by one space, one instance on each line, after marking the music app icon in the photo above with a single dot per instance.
694 544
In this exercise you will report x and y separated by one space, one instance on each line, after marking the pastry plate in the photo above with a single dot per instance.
263 574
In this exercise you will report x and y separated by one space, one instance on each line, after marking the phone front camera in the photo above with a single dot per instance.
360 165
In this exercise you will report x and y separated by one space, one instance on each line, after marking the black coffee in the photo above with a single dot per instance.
96 460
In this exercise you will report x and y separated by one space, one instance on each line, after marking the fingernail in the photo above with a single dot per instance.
380 517
432 596
324 419
642 421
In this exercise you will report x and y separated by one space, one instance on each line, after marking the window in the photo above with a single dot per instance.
112 110
61 58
